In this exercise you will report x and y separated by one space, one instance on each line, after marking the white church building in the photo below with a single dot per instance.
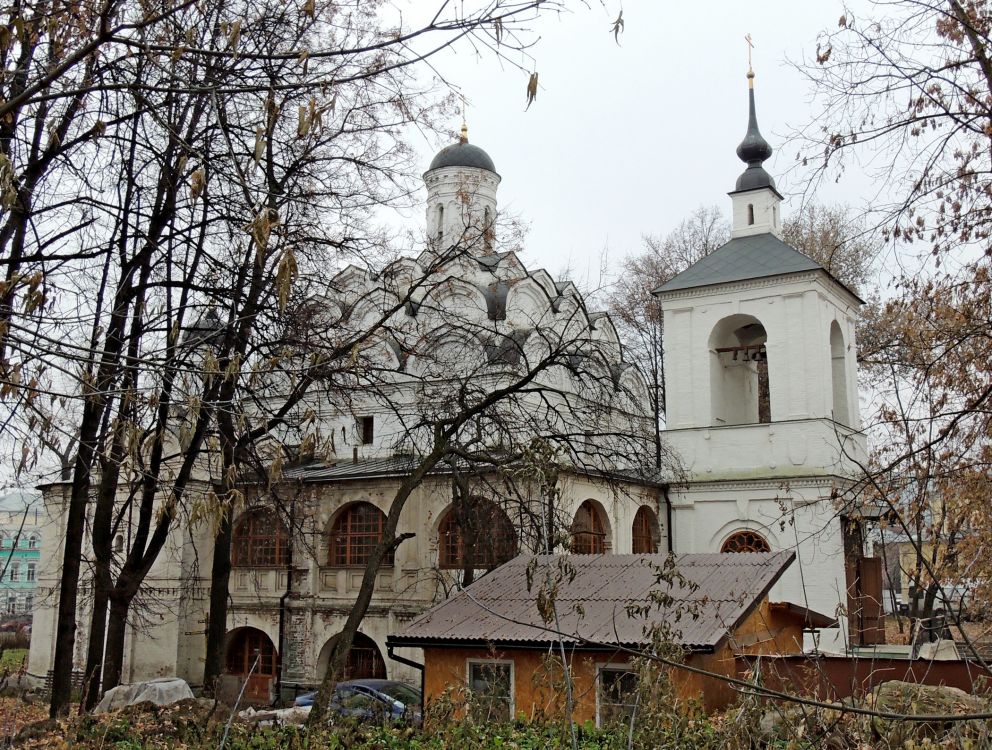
761 412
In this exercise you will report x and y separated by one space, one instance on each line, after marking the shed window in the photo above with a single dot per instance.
491 683
617 694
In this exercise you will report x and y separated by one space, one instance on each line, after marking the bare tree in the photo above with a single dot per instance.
909 82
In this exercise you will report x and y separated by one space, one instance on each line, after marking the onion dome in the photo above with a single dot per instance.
754 150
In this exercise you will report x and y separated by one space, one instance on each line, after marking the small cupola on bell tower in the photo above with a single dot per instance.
461 198
756 201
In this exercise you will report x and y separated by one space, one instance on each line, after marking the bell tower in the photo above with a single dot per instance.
761 397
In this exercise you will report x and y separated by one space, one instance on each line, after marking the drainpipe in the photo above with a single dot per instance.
668 516
284 597
409 663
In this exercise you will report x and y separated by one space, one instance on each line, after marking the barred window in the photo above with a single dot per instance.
588 531
477 533
355 533
645 532
745 541
260 541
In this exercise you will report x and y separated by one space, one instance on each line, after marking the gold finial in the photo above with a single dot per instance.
464 136
750 70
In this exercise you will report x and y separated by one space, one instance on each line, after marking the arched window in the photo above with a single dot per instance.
750 214
260 541
355 533
440 222
745 540
645 532
838 372
32 541
476 533
588 530
740 391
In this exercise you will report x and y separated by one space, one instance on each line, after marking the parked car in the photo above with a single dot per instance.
374 700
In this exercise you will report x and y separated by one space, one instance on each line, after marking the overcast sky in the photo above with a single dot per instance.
629 139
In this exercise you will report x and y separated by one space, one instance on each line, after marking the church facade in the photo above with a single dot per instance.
762 418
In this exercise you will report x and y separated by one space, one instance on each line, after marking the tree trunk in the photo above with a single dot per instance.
65 626
113 660
220 580
98 630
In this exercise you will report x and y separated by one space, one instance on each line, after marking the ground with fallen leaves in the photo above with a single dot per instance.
15 714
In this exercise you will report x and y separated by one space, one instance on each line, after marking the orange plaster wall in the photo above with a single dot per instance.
534 679
534 692
767 630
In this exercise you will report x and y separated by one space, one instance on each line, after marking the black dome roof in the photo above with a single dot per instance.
753 150
462 154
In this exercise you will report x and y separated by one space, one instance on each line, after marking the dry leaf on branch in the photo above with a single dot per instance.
617 28
531 90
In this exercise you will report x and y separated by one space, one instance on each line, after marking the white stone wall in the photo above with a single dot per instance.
795 515
775 478
461 206
796 313
763 206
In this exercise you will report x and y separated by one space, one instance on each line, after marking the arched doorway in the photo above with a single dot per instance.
244 646
364 660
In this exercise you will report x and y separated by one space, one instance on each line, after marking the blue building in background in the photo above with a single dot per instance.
20 553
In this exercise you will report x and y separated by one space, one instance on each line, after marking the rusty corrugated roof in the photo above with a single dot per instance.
608 599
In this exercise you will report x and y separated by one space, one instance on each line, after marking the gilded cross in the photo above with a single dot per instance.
750 46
